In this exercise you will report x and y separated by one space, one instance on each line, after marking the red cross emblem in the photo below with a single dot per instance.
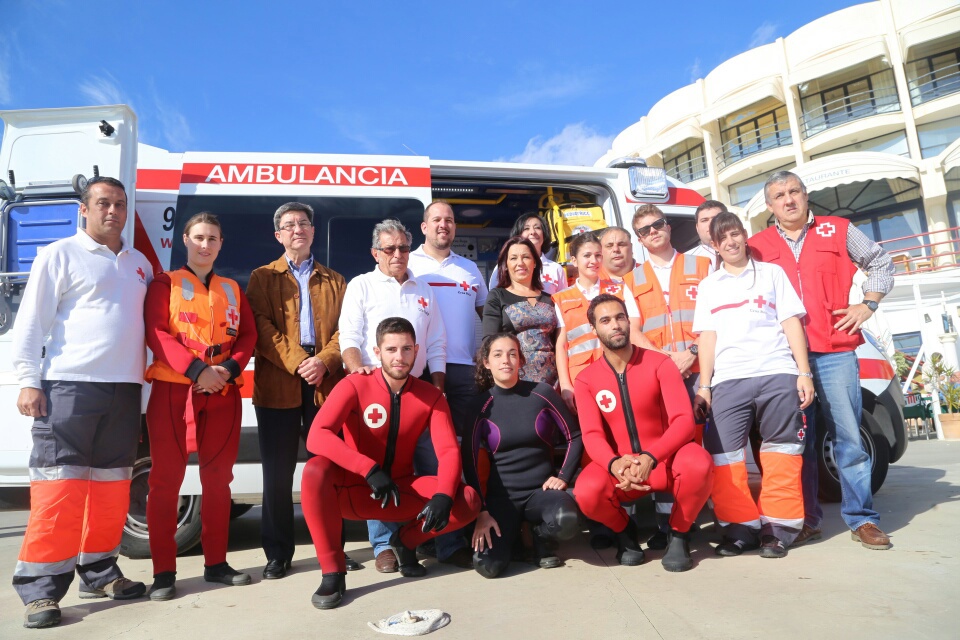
375 416
422 302
140 273
465 286
826 229
606 401
692 292
547 278
612 289
801 434
760 301
233 318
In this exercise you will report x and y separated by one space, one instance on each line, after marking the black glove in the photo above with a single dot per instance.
383 487
436 514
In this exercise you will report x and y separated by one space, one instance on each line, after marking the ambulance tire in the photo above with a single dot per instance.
874 443
136 542
237 510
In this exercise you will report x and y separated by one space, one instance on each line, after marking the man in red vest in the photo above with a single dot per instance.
820 255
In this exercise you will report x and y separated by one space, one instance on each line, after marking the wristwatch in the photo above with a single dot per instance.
694 349
873 305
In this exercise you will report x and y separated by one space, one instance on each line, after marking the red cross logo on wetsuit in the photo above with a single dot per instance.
375 416
606 401
233 318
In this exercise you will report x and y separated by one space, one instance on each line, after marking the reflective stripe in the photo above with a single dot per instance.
228 290
689 265
792 449
40 569
752 524
74 472
639 276
582 330
63 472
584 347
186 289
789 523
655 322
724 459
89 558
664 507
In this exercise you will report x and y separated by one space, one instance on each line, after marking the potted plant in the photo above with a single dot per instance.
940 377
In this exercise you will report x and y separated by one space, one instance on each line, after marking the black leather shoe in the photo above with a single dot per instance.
276 569
351 564
330 593
406 558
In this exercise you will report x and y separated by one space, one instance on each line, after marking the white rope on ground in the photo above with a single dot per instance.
412 623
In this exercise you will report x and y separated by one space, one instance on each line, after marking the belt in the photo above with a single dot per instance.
310 349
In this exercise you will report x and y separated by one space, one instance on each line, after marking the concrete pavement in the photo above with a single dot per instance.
833 588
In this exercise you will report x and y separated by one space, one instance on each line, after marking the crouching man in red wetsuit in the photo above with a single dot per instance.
369 473
638 430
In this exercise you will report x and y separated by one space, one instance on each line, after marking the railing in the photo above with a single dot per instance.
936 84
754 141
916 253
689 170
863 104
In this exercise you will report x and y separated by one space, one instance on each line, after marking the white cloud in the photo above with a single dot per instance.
766 32
176 129
577 144
520 96
695 70
103 90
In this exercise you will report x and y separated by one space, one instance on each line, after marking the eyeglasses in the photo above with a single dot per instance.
644 231
403 248
302 224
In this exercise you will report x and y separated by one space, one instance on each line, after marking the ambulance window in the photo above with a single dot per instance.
350 232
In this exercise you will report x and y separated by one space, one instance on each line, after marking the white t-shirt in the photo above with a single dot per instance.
459 289
703 251
85 305
552 276
746 313
589 294
663 275
372 297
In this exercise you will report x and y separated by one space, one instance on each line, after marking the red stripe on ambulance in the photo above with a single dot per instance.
160 179
306 174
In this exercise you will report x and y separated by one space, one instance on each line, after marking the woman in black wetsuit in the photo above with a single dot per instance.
516 424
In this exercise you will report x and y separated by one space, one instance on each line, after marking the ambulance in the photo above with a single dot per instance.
47 155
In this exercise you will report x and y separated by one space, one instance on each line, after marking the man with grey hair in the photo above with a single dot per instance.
296 302
391 290
820 255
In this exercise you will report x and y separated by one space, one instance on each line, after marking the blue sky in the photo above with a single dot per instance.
527 81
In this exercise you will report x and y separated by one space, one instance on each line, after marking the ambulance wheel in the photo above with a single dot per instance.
136 540
237 510
876 447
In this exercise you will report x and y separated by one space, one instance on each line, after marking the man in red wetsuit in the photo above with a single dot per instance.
369 473
638 430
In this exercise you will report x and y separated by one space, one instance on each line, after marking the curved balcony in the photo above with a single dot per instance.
754 141
881 97
689 170
936 84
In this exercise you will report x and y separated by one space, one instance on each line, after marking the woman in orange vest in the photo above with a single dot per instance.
577 344
202 334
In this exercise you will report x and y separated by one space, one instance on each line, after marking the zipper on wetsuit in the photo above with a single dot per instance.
393 432
628 416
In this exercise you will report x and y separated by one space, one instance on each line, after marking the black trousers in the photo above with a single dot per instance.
279 432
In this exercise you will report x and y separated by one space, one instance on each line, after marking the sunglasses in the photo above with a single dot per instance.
643 232
403 248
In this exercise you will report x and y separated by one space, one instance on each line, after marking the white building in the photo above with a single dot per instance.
864 105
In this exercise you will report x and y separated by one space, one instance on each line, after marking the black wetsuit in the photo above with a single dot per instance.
518 427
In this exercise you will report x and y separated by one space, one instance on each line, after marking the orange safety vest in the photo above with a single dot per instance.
203 320
583 346
669 326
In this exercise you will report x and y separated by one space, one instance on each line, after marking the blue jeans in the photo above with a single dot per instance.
836 377
424 464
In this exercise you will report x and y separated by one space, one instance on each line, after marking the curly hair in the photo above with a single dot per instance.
482 375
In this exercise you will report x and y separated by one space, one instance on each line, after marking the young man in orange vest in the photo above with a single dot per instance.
820 255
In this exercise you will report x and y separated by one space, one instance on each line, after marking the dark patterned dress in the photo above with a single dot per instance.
534 324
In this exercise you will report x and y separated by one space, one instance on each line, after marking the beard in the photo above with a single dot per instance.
615 341
397 375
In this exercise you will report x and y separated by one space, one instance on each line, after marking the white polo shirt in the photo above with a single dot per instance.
746 313
552 276
85 305
589 294
703 251
372 297
459 289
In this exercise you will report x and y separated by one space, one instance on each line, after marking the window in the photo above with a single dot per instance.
688 165
933 76
937 136
742 192
849 100
753 135
894 143
908 343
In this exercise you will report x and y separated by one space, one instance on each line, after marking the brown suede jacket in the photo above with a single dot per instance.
274 296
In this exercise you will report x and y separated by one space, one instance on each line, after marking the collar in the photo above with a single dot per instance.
90 244
723 273
669 264
592 289
382 380
809 222
209 275
496 390
305 266
420 253
380 276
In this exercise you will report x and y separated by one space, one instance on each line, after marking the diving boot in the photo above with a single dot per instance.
406 558
629 553
543 555
330 592
677 558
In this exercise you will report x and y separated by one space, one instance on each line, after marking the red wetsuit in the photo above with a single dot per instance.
379 427
659 422
218 433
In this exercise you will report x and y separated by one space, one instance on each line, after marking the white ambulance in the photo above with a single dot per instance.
45 154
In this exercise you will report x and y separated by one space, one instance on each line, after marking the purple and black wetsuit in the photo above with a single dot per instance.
518 427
